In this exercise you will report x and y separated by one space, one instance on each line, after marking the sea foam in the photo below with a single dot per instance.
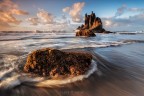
17 79
48 83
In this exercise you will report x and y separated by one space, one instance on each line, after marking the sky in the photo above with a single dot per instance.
27 15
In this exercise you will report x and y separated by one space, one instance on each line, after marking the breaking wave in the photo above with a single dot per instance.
103 44
11 74
14 76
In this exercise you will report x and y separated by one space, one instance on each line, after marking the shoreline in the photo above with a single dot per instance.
116 77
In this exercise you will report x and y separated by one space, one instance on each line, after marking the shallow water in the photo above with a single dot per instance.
119 60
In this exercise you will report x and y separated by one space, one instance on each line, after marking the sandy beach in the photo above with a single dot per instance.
120 73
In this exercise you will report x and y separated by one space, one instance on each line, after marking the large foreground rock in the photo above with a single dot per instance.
52 62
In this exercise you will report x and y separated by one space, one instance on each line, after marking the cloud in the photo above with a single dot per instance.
137 19
19 12
45 17
8 10
8 18
131 23
64 17
136 9
66 9
107 22
4 25
75 11
42 17
121 10
7 5
34 20
133 20
116 22
47 21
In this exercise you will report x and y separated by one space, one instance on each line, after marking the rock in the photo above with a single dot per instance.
108 32
87 33
92 24
52 62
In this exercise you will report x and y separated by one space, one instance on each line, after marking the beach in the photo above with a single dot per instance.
119 60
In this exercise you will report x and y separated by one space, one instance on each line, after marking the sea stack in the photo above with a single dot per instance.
91 26
55 63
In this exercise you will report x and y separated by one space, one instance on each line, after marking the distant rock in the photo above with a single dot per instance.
53 63
85 32
92 25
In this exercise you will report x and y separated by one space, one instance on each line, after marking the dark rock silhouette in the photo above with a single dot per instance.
92 25
53 63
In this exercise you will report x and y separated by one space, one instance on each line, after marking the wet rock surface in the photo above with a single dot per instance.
52 62
87 33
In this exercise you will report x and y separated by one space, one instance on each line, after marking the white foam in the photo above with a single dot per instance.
98 45
9 60
3 73
10 82
47 83
17 79
134 32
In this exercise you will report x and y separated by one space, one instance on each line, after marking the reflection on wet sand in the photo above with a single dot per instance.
119 75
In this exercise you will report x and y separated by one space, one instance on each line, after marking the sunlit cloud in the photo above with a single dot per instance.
75 11
66 9
108 23
33 20
45 17
47 21
42 17
8 10
19 12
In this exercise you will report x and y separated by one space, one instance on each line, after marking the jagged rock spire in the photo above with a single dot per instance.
92 24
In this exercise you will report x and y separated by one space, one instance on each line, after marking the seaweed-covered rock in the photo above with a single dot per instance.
52 62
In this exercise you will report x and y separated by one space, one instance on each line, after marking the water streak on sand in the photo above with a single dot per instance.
119 57
15 79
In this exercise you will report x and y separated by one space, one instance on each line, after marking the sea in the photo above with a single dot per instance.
117 67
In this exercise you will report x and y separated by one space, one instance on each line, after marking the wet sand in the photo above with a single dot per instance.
121 73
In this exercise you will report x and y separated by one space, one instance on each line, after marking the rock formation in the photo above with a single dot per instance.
92 25
53 63
85 32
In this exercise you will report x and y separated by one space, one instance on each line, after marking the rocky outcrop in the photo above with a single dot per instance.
91 26
53 63
85 32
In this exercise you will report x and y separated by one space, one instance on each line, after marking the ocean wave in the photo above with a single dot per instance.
102 44
48 83
133 41
36 38
131 33
18 78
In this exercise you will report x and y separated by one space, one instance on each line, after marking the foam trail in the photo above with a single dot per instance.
103 44
48 83
5 72
10 82
17 79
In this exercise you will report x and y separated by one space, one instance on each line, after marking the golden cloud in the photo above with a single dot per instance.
75 11
7 11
